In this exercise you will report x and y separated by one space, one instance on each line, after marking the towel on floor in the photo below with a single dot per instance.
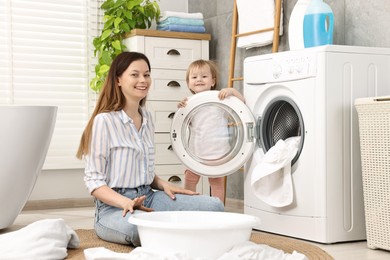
243 251
165 14
271 179
43 239
182 28
139 253
254 15
181 21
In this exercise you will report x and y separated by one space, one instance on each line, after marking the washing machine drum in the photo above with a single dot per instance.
213 137
281 119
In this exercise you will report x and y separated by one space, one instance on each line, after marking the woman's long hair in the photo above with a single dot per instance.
111 97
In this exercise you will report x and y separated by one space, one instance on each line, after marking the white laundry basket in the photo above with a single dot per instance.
374 131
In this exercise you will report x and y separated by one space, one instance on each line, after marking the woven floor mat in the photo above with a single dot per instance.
89 239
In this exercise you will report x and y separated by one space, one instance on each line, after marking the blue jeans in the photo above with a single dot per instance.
111 226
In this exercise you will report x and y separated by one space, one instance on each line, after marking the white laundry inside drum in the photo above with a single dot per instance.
282 120
271 179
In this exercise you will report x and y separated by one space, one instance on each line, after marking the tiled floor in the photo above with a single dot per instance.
82 218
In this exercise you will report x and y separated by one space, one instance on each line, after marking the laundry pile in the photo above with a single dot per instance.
44 239
181 22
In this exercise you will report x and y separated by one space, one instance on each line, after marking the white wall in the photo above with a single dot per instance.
68 184
174 5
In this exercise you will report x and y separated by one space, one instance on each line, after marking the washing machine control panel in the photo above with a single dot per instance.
280 67
292 67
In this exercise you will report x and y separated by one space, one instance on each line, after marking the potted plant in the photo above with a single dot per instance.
120 17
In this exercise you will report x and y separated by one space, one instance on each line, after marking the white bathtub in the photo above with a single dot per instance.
25 134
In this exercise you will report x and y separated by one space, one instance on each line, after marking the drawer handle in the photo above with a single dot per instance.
174 178
173 52
170 147
171 115
173 83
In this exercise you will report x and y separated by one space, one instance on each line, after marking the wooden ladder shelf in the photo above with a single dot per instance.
235 35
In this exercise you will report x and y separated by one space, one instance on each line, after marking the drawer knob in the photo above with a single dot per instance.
173 52
173 83
171 115
174 178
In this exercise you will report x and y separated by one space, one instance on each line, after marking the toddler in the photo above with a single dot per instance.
206 142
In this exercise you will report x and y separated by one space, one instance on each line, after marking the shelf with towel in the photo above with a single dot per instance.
254 38
181 22
169 34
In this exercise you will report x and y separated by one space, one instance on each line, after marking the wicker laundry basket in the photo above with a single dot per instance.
374 132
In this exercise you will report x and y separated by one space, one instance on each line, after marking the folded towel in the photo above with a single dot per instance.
165 14
271 179
182 28
181 21
255 15
43 239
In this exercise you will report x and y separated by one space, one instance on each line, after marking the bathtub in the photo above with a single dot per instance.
25 134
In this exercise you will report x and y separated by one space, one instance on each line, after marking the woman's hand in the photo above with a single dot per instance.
113 198
136 203
170 189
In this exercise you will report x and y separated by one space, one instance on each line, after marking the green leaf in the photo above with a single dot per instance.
99 86
118 3
125 27
105 34
107 4
118 20
106 57
141 9
127 14
103 69
117 45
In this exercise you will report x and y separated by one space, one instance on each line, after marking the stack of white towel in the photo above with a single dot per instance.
181 22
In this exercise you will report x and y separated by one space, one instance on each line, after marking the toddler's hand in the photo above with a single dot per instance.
182 103
225 92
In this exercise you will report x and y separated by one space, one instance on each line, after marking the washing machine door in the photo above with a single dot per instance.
213 137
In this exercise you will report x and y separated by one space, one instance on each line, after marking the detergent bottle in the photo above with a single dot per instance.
318 24
295 25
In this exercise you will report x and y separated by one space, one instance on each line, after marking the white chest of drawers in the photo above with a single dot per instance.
170 54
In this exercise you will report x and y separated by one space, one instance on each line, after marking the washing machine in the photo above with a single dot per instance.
310 93
306 93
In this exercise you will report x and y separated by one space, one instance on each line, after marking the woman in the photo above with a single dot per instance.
118 147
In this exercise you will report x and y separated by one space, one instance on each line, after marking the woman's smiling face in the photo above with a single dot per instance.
135 80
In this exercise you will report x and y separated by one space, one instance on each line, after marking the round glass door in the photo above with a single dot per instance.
213 137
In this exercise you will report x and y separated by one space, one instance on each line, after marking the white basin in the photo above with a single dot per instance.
198 233
25 135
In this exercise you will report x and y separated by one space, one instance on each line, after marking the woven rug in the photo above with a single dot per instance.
89 239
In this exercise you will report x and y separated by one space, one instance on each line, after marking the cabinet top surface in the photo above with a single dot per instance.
169 34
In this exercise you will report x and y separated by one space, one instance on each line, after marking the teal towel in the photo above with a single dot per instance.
182 28
181 21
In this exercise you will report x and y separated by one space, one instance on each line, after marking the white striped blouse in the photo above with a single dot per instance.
120 156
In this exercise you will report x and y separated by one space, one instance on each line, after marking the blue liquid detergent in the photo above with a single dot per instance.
318 29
